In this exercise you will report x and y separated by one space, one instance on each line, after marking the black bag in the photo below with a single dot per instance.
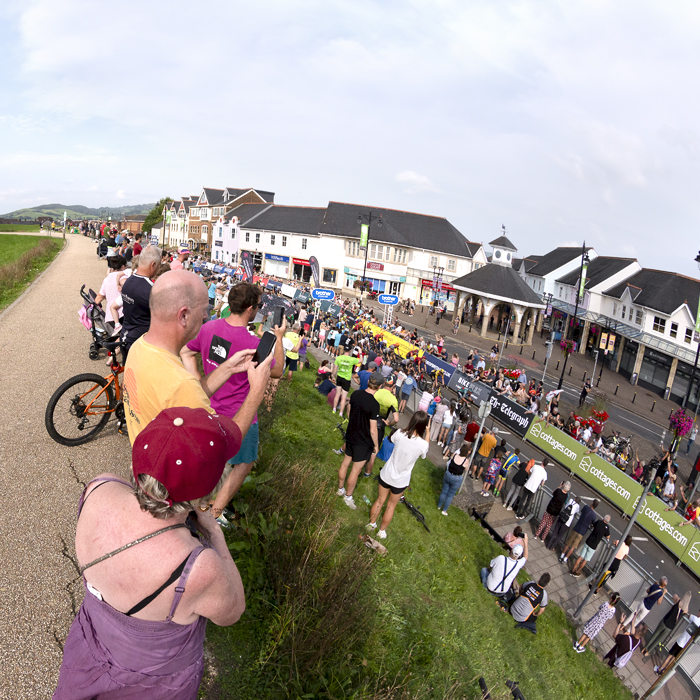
565 513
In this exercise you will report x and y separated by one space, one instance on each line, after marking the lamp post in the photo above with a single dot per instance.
579 295
697 354
364 240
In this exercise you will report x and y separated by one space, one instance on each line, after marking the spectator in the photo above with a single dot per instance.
537 477
410 444
691 438
590 630
109 290
183 253
563 522
625 645
136 294
518 482
345 366
554 507
692 514
498 578
681 643
292 345
584 522
324 384
531 603
600 532
515 537
154 376
137 244
654 596
669 622
492 472
361 438
488 442
388 416
620 556
123 629
216 342
452 479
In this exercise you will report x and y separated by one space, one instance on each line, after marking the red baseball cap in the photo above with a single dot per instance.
186 449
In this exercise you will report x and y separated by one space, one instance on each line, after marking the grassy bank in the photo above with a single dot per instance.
22 258
328 619
20 228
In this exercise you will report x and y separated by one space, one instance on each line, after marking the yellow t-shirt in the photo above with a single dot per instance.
488 442
155 379
294 338
386 400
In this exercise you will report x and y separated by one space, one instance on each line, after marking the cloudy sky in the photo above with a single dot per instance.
564 121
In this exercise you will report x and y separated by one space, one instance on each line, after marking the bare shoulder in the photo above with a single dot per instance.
101 478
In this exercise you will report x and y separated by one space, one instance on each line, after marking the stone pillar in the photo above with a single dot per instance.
540 320
619 353
485 322
472 314
516 331
530 333
640 358
584 337
672 373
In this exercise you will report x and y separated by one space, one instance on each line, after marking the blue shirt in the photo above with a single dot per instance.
585 520
364 376
409 385
212 291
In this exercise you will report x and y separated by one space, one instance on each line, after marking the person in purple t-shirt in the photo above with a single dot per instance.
216 341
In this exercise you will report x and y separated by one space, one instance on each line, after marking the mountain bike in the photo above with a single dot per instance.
80 408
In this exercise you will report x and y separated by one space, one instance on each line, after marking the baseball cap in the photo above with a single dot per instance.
494 430
182 250
372 365
186 449
518 550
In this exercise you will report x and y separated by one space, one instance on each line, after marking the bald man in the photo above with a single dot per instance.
154 376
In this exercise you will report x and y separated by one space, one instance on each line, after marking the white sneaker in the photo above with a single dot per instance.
349 502
509 508
340 492
381 534
444 512
371 526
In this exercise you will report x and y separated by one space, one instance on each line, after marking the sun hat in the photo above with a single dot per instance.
186 450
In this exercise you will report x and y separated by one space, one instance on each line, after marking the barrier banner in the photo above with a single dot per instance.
459 381
510 413
432 363
403 346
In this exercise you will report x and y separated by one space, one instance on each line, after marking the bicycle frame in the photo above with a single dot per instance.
112 379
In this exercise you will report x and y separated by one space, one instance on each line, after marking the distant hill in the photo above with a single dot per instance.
77 211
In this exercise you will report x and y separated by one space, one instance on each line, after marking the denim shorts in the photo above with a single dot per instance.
249 447
586 552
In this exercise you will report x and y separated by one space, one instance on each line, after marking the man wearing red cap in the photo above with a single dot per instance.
183 252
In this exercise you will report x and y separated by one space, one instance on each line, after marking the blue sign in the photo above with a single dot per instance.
218 269
432 363
388 299
319 293
280 258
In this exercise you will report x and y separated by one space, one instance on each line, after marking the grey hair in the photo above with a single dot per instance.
606 519
296 326
567 486
152 495
149 255
663 581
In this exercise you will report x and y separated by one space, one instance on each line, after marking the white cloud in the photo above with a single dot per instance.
120 194
416 183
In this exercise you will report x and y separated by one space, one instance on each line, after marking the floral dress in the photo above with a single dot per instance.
597 622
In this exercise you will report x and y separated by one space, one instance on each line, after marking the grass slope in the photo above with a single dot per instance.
77 211
22 258
20 228
425 627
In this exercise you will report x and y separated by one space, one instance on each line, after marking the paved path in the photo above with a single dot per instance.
42 343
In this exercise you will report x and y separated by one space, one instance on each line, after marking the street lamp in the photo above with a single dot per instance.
579 295
364 240
697 354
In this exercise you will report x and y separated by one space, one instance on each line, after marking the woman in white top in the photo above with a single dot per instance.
395 476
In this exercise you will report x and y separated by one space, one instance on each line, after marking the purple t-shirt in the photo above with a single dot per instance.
217 341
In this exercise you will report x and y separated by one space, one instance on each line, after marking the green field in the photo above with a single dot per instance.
22 258
326 618
20 228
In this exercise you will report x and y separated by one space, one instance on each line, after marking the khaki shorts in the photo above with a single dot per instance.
573 539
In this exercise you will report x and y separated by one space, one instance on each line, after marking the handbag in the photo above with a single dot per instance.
386 450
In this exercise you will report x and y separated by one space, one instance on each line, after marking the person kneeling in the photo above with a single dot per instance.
531 603
498 579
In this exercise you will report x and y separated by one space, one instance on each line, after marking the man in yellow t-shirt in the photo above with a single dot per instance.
154 376
488 442
292 349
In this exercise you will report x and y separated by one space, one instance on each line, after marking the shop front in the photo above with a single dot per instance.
381 282
302 269
277 265
443 292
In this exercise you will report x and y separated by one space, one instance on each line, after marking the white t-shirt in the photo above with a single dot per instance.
110 291
501 566
683 640
397 471
575 508
538 475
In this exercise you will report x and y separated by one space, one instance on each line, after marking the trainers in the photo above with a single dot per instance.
444 512
340 492
564 560
349 502
580 649
381 534
575 575
485 493
509 507
338 452
366 474
371 526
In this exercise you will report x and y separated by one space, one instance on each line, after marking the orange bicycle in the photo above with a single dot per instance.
82 405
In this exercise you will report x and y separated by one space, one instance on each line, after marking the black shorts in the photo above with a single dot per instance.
290 364
358 453
394 489
343 383
675 650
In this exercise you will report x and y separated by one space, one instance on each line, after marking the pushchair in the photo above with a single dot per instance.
93 318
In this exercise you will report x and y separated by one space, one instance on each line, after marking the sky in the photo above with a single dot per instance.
565 121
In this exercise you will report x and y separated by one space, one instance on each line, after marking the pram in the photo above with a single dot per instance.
93 318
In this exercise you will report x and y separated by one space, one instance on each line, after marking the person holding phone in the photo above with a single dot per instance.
216 341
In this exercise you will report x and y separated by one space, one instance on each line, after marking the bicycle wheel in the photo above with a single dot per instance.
79 409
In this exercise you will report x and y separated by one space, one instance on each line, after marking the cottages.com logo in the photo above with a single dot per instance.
664 526
537 432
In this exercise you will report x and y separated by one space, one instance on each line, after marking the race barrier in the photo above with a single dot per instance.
460 382
403 347
510 413
621 490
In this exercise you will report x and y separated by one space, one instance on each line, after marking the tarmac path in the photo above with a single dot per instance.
42 343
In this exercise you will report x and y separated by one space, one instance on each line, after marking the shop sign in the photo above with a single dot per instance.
429 283
375 266
396 278
510 413
279 258
603 342
299 261
611 342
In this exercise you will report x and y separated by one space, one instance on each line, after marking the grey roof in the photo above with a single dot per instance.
246 212
236 192
399 228
554 260
599 269
499 280
502 242
287 219
660 290
530 261
214 196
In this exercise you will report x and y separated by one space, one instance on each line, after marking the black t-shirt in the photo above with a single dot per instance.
325 387
343 339
128 254
371 356
363 408
671 617
521 475
136 293
600 530
557 502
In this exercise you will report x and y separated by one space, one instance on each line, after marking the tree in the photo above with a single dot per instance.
155 216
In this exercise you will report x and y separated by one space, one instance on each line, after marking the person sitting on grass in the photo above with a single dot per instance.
499 576
324 384
410 444
605 612
492 472
515 537
531 603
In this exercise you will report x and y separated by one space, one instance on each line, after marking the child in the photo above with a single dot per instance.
490 476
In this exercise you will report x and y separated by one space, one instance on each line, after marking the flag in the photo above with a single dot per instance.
247 263
314 270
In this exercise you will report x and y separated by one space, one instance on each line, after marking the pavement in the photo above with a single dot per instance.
42 343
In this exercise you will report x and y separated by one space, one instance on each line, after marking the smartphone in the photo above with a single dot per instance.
277 316
265 347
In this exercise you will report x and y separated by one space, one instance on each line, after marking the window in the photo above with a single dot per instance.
247 236
380 252
688 335
638 317
257 238
540 280
272 239
221 231
194 212
329 276
284 241
624 311
233 234
674 330
373 250
451 265
433 261
659 324
561 292
614 309
303 243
